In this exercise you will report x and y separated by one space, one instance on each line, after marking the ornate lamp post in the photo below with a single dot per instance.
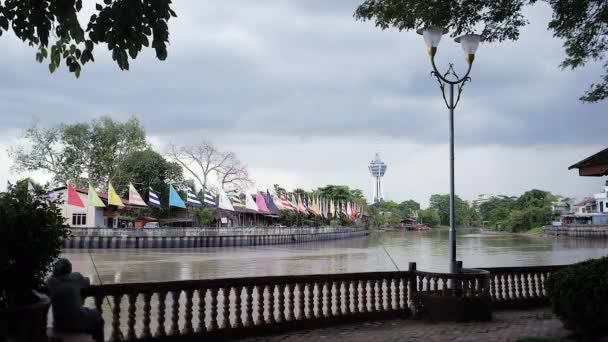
469 43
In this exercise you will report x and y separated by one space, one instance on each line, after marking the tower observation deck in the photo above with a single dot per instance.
377 168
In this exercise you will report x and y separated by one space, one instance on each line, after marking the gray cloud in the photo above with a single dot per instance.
306 68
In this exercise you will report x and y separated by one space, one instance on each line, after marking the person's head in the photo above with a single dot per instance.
62 267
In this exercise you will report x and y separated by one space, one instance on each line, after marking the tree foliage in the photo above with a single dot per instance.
516 214
580 24
125 26
81 152
148 169
429 216
465 215
32 231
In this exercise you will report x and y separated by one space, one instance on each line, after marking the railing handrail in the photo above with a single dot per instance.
522 269
126 288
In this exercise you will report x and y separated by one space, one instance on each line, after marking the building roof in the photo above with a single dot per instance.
584 202
595 165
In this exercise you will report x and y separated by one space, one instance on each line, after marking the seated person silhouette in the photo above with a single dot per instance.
68 313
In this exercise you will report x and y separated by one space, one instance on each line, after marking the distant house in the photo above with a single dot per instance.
586 206
563 206
602 199
90 216
481 199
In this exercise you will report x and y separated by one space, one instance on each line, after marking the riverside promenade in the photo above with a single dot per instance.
507 325
104 238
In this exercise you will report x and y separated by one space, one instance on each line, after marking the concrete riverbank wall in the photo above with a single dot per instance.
105 241
582 230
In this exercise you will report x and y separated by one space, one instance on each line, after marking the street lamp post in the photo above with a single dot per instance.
469 43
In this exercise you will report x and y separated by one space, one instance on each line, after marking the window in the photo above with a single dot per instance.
79 219
601 207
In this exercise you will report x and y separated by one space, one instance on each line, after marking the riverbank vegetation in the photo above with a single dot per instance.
518 214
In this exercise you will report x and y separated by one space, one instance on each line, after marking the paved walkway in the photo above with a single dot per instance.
505 326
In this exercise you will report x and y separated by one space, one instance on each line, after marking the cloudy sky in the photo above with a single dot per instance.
305 95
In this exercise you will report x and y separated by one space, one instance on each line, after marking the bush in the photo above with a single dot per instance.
579 296
32 230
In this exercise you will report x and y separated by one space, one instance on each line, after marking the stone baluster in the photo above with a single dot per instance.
328 301
174 330
338 295
238 319
116 332
412 287
526 285
289 302
146 332
249 306
310 306
213 310
356 309
160 330
281 303
132 298
389 295
372 296
271 308
202 325
535 286
260 319
492 288
520 285
347 300
405 294
188 313
364 297
320 297
301 313
380 299
226 307
507 287
500 287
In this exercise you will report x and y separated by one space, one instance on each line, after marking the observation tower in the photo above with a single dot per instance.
377 168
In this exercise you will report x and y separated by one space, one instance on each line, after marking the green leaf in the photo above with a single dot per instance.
4 23
52 67
98 7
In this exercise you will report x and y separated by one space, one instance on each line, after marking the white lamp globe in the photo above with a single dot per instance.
469 44
432 35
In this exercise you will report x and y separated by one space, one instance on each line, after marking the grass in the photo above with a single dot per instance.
535 230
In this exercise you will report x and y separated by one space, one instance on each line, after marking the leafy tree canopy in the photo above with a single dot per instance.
81 152
464 213
125 26
148 169
580 24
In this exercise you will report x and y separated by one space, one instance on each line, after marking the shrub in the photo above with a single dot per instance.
32 230
579 296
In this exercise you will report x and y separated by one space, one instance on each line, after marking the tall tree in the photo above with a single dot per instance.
233 175
441 203
408 207
203 159
82 152
125 26
148 169
581 24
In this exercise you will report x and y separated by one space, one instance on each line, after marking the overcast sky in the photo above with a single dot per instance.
305 95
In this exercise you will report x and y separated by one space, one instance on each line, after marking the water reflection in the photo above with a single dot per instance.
428 249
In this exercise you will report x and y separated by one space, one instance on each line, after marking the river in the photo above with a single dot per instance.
428 249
